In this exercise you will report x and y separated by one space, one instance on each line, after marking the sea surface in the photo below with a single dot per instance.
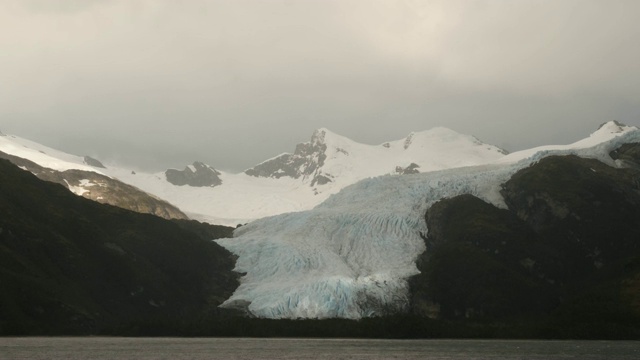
69 348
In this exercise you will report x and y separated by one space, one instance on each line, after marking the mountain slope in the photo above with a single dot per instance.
70 265
567 248
317 169
329 156
82 176
351 256
286 183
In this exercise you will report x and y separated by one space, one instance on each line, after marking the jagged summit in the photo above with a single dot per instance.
307 158
328 137
319 135
329 156
198 174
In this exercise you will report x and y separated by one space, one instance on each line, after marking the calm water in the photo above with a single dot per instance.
229 349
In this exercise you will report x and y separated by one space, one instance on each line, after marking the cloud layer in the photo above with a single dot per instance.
160 83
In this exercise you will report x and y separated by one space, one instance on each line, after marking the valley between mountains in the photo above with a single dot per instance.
435 234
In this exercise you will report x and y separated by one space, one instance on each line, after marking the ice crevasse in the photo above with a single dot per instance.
351 256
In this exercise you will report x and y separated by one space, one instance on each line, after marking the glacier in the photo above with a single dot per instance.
350 256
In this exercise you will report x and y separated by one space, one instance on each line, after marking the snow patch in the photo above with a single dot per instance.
86 183
76 189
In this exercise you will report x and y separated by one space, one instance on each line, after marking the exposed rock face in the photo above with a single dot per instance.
306 161
321 179
93 162
411 169
472 266
569 244
575 199
627 155
196 175
102 189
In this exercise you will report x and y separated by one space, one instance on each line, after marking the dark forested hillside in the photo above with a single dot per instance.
567 250
70 265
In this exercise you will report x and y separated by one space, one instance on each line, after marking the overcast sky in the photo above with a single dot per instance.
161 83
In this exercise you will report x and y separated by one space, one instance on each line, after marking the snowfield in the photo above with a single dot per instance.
350 256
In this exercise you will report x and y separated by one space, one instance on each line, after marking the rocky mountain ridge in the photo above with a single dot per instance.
100 188
567 247
308 160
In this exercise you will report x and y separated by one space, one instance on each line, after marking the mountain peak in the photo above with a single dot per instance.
324 136
319 136
306 159
611 127
442 136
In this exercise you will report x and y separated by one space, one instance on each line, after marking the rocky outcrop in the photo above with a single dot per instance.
306 161
93 162
102 189
628 155
567 246
411 169
196 175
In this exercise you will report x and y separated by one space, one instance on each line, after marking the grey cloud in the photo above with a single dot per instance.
234 82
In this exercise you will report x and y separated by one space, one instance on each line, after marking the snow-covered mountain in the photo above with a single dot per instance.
351 256
349 237
289 182
315 170
84 176
286 183
329 157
